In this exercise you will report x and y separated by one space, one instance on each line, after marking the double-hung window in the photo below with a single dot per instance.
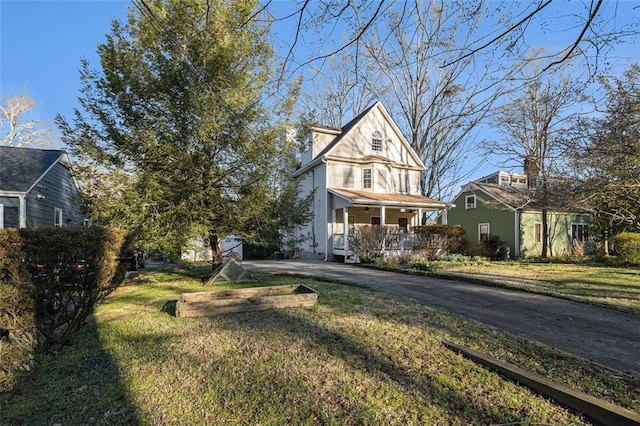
366 179
483 231
470 202
376 141
579 232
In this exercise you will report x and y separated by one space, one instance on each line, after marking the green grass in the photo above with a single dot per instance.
359 357
611 287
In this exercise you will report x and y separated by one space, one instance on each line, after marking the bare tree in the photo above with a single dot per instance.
591 28
14 129
533 123
344 91
437 106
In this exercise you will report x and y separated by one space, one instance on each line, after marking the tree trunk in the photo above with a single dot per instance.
216 251
545 232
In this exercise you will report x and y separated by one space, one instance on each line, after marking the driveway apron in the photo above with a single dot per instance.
603 336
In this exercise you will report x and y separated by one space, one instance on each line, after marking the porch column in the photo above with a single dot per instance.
418 218
383 211
333 231
345 234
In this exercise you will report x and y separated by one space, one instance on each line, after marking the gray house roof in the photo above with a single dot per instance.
21 168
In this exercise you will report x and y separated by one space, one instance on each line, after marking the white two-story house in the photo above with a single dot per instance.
365 173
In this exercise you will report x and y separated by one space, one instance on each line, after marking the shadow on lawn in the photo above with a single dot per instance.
361 356
80 385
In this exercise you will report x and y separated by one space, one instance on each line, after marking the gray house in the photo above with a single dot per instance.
37 189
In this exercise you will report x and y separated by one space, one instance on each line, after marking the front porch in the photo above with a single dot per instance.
397 213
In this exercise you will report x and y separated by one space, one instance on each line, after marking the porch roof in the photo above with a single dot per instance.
366 198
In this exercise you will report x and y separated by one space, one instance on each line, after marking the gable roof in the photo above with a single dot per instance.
22 168
345 131
513 197
374 198
516 198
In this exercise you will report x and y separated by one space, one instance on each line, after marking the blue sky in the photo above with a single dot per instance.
42 41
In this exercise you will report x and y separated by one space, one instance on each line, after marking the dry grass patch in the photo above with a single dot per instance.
358 357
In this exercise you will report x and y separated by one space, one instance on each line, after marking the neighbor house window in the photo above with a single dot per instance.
376 141
483 231
57 217
537 232
470 202
579 232
347 177
366 179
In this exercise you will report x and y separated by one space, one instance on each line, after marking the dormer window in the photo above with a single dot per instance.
376 141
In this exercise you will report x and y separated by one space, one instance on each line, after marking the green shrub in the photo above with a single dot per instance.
66 272
51 279
460 258
17 310
422 265
493 248
627 245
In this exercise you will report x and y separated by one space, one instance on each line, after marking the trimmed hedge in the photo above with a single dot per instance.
627 245
51 279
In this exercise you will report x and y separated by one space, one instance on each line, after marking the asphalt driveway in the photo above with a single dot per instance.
603 336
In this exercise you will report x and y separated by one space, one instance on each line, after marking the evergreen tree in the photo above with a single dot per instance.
177 110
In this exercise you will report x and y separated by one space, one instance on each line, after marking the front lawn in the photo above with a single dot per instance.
611 287
358 357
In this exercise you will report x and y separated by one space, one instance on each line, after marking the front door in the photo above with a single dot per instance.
375 220
403 223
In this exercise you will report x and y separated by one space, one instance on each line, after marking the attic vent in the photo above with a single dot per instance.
376 141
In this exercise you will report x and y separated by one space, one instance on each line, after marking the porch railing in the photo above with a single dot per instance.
399 240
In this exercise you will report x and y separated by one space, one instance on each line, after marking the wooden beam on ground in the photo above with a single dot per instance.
596 409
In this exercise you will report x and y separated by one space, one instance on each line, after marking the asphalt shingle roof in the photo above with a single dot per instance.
20 168
364 197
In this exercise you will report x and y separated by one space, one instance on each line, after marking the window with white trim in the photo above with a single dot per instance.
57 217
483 231
366 179
470 202
537 232
579 232
376 141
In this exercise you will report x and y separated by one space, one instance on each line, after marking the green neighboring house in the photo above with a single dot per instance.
504 205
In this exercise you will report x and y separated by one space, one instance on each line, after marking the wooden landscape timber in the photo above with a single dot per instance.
596 409
210 303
